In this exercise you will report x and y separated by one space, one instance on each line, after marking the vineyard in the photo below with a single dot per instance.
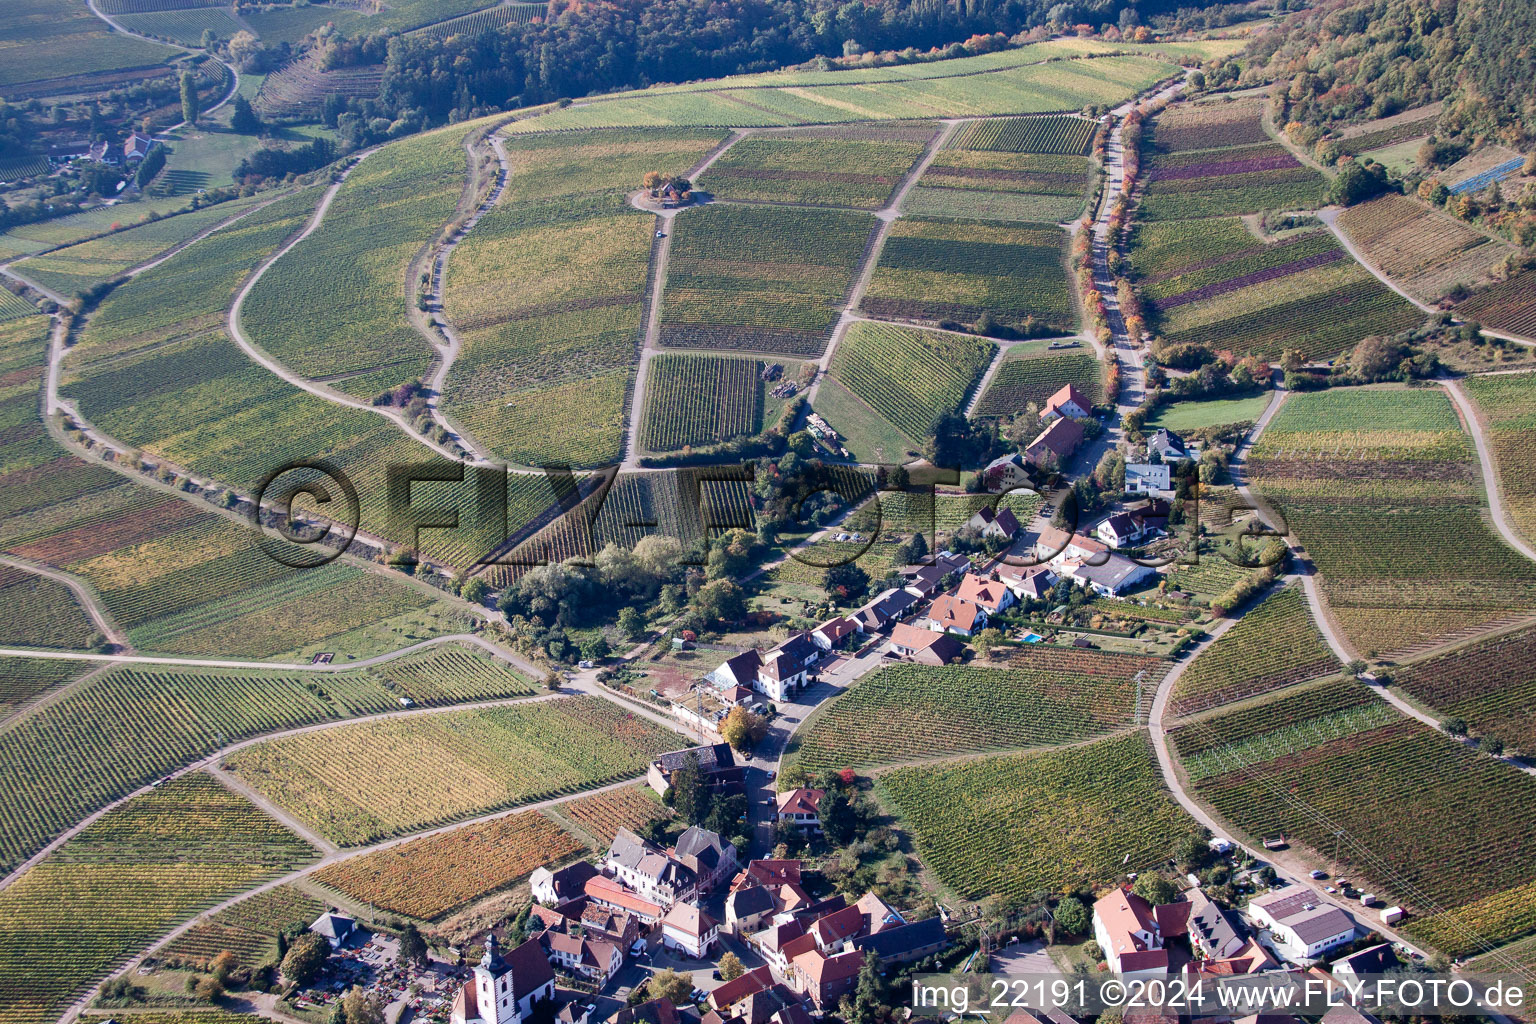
699 400
299 88
764 278
14 307
1306 780
131 876
1490 684
1509 306
41 612
1070 135
935 270
183 27
335 304
907 375
1211 283
248 929
1032 373
428 878
1205 126
1272 646
1424 251
1507 404
52 39
601 815
1373 482
1010 826
359 784
130 726
483 21
913 712
1387 131
836 167
21 679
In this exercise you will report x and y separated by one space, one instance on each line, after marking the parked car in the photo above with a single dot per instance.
1319 874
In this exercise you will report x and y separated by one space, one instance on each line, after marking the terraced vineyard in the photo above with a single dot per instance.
913 712
428 878
1304 779
299 88
762 278
601 815
855 166
1032 373
933 270
907 375
131 726
1373 482
335 307
1214 159
358 784
1016 824
128 878
1272 646
1071 135
1490 684
699 400
249 929
548 358
1213 284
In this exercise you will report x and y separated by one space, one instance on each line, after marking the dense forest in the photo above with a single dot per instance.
1347 60
597 47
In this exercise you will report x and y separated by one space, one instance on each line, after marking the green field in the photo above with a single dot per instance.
907 375
955 270
130 726
857 167
358 784
1010 826
1215 412
42 39
1032 372
1274 645
762 278
335 307
128 878
1373 482
915 712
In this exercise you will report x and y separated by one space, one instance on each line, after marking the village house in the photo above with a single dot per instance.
725 997
553 888
1212 932
1116 576
606 892
904 943
1068 402
1154 478
834 633
775 1004
686 927
769 872
505 990
1168 445
1151 514
887 607
925 646
1031 583
927 580
707 855
951 614
334 928
799 807
596 960
825 979
648 871
1005 473
999 525
1377 959
717 766
1126 929
1300 926
616 926
746 909
778 673
1055 546
1054 445
988 592
1119 530
652 1011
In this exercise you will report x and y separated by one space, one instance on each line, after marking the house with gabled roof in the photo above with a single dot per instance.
707 855
927 580
1168 445
1006 472
1068 402
609 892
799 807
597 960
1054 445
1120 529
1054 545
689 928
1126 929
717 767
887 607
334 928
768 871
835 632
1000 524
732 992
746 909
778 673
1112 578
1031 583
925 646
826 979
651 872
552 888
904 942
951 614
1300 923
986 592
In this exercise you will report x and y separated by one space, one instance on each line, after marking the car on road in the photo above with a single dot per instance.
772 775
1319 874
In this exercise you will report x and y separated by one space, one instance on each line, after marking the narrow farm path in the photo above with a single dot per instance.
650 339
1497 510
234 76
432 323
1284 862
1003 345
886 215
235 784
47 293
84 596
237 334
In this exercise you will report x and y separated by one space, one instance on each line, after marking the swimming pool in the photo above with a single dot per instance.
1033 638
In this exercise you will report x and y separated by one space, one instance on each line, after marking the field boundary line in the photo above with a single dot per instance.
83 593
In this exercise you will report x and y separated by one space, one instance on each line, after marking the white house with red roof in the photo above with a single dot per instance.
834 632
1126 929
986 592
951 614
800 807
689 928
1067 401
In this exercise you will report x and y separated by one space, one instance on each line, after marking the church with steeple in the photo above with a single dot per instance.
505 989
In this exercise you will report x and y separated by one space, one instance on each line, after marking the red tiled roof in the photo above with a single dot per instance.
800 801
982 591
1067 393
951 611
733 992
606 890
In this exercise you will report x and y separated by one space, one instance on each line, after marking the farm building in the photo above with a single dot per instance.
716 763
1066 402
1054 445
1299 925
